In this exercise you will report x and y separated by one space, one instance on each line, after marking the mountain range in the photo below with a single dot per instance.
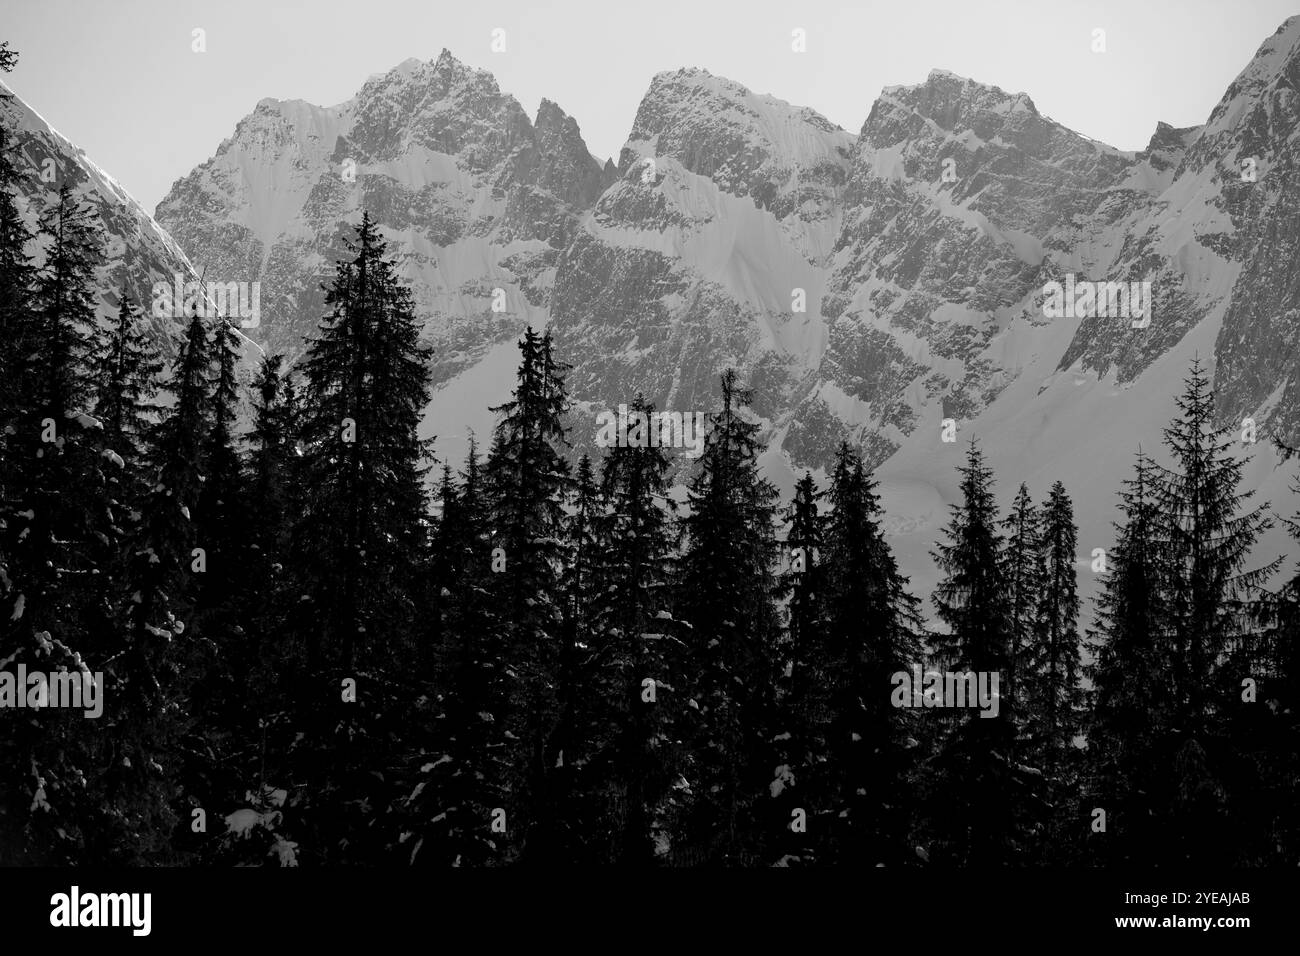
867 285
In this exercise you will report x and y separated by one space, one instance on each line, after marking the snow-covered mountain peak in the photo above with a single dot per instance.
748 144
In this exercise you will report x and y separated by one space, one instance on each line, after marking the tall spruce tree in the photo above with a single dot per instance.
17 335
527 477
975 804
1132 701
806 673
1055 693
127 370
360 547
159 659
728 587
873 629
1022 567
1055 654
271 471
17 338
1209 529
573 793
637 640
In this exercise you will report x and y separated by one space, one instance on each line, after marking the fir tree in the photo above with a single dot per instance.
1209 530
221 519
271 469
980 790
527 479
1055 654
572 792
1022 568
18 340
728 582
637 640
364 526
360 548
126 375
873 628
807 671
1132 705
803 582
159 660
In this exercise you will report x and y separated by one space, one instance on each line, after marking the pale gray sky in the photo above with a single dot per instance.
120 79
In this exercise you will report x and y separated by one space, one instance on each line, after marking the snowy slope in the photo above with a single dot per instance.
136 249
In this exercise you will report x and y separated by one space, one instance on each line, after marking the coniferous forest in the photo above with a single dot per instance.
321 646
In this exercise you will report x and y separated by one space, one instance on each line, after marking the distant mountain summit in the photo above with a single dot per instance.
476 199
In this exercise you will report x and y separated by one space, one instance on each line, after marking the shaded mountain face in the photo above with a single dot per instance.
868 286
136 248
476 200
712 249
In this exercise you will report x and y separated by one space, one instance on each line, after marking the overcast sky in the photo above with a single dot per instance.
120 78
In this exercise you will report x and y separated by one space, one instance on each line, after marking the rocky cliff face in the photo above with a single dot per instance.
711 249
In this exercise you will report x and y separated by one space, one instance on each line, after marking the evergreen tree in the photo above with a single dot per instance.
271 470
17 336
58 522
803 583
804 709
221 519
463 774
221 563
980 790
60 532
728 586
127 370
873 630
636 640
1022 568
360 550
527 480
17 341
1268 730
1209 530
1055 655
573 794
364 526
158 662
1132 706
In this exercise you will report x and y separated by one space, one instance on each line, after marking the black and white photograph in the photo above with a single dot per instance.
449 450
